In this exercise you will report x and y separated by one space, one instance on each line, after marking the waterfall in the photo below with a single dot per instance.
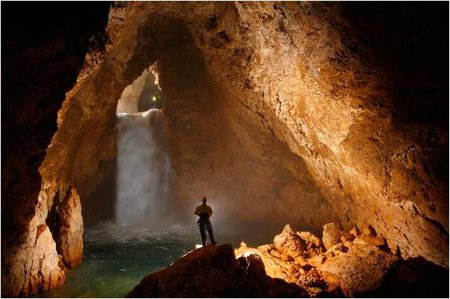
142 169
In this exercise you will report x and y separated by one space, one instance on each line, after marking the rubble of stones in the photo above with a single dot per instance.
340 264
299 264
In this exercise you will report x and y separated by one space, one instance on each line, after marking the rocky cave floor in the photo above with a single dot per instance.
299 264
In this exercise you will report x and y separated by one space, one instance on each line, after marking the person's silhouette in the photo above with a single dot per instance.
204 211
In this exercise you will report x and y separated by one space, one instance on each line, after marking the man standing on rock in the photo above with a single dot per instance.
204 211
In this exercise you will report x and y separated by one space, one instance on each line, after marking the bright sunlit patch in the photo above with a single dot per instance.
143 114
246 254
132 99
154 69
197 246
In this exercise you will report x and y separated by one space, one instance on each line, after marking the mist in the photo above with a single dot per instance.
143 169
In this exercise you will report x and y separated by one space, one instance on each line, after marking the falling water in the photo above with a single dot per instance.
143 169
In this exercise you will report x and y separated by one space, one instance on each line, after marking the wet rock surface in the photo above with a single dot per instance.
214 271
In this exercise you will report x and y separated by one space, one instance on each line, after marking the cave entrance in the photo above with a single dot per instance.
143 165
143 94
216 149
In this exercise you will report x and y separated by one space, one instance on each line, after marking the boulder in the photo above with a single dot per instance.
213 271
289 242
310 238
331 235
369 240
253 282
354 231
362 268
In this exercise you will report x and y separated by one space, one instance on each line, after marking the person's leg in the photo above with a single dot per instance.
210 233
202 227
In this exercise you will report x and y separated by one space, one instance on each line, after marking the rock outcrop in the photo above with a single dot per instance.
69 238
214 271
289 241
331 235
34 266
355 268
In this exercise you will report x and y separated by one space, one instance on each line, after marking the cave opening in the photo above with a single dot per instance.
174 142
143 94
143 164
207 145
196 100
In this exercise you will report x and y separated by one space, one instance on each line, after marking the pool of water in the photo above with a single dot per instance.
117 258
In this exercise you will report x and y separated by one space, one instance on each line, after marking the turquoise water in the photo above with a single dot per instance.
116 259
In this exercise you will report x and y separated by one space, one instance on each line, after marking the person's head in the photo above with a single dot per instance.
204 199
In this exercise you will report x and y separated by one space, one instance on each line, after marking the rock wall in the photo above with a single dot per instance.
297 69
291 112
42 55
69 240
205 160
299 66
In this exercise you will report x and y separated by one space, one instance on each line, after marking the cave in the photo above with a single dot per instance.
117 118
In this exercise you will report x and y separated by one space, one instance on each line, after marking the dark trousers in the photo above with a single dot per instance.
206 226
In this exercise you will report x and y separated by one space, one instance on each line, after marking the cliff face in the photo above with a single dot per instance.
299 67
288 112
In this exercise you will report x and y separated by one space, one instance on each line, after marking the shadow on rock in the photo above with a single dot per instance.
415 277
213 271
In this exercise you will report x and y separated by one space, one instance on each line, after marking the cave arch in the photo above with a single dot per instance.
143 94
194 106
336 155
370 171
